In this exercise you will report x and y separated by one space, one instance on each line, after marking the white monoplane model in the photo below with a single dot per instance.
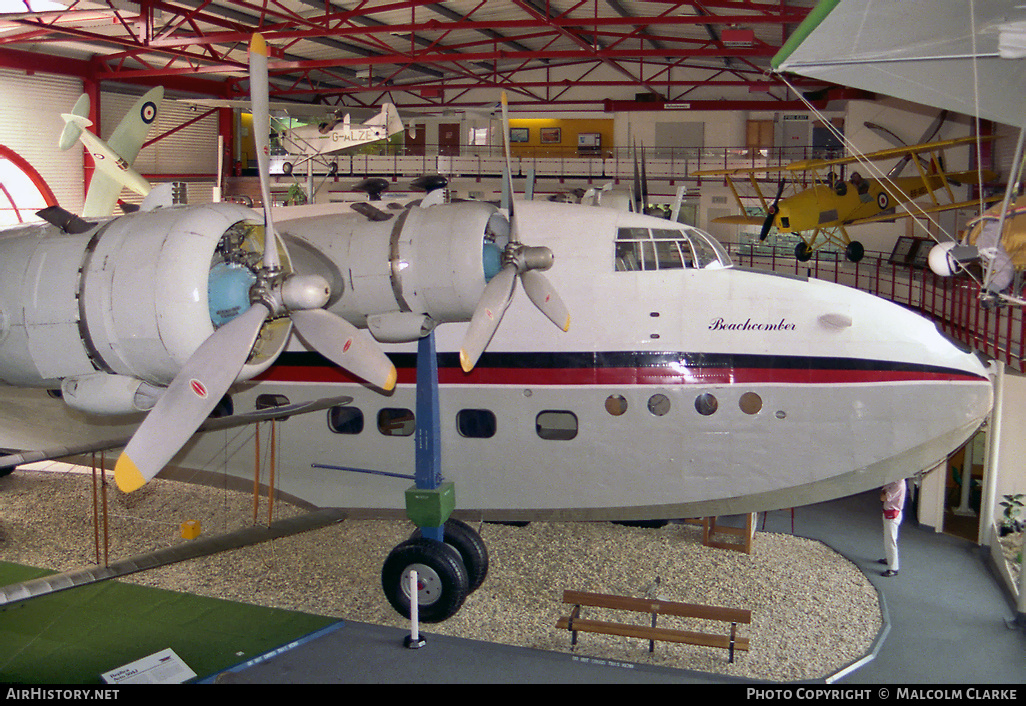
303 144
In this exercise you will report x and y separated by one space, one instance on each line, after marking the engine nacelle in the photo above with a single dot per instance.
389 274
127 298
109 394
947 259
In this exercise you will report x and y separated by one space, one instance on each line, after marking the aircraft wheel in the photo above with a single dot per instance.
803 252
442 582
464 539
854 251
333 169
286 168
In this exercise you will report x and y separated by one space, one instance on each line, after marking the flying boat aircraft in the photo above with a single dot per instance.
685 388
967 59
822 212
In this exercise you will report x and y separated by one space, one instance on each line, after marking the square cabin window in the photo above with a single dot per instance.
476 423
396 421
556 425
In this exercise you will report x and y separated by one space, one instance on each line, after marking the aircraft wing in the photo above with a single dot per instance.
918 52
741 220
103 442
125 142
913 211
889 153
739 171
805 165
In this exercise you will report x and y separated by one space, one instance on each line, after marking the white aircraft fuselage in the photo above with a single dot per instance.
685 387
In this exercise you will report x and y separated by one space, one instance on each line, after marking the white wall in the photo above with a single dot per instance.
31 125
1011 457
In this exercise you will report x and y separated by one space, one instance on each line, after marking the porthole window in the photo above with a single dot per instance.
750 403
556 425
616 405
396 421
659 405
706 404
271 400
345 420
476 423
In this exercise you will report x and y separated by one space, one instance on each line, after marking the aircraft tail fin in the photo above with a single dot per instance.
73 122
389 118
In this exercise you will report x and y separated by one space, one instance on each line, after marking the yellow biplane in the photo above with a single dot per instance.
821 212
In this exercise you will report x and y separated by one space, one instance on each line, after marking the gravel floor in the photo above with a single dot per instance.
813 611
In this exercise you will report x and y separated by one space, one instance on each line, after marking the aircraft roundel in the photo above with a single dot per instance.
198 388
148 112
881 200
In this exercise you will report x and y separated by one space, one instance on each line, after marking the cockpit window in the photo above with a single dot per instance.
640 249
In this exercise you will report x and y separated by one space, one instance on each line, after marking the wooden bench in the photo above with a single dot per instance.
574 623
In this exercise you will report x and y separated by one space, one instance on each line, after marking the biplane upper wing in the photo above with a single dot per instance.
889 153
815 165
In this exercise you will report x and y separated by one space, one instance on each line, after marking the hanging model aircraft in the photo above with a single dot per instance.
113 158
967 59
685 388
300 145
822 212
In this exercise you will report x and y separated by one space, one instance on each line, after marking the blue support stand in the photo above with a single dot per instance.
428 462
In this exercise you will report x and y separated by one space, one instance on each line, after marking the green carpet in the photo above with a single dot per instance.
73 636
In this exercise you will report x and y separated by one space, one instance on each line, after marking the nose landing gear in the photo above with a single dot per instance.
450 558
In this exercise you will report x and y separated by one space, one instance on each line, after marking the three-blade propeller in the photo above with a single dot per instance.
521 262
216 364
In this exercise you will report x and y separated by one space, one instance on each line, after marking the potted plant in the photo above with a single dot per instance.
296 195
1010 521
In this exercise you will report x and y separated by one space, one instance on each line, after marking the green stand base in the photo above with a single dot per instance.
430 507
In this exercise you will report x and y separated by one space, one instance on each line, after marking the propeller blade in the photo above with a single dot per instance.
494 302
189 399
258 92
545 297
771 212
341 343
508 185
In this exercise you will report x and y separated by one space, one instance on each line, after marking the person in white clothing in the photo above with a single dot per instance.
893 497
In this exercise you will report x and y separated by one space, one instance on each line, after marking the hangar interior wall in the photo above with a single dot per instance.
31 125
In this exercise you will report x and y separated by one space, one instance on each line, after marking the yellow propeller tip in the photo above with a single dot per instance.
127 475
258 45
566 327
393 377
465 361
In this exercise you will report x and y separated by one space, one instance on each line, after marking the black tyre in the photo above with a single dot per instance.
854 252
803 252
464 539
286 168
441 578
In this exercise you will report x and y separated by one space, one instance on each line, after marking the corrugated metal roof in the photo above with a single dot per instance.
551 52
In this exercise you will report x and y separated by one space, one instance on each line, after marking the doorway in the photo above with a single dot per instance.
449 139
963 489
